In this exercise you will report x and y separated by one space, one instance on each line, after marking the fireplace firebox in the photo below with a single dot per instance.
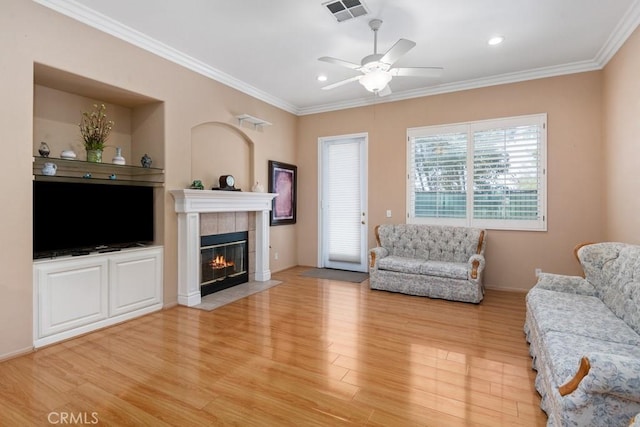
224 261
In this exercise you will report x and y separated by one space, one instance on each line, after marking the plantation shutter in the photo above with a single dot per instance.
508 174
437 175
344 208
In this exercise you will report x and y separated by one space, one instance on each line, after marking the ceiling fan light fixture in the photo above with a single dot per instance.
376 70
375 81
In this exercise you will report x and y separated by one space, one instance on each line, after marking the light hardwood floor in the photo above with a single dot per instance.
307 352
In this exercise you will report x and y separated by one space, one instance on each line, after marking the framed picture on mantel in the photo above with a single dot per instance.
282 180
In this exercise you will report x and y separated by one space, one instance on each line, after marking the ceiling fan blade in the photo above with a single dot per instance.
342 82
385 91
401 47
429 72
339 62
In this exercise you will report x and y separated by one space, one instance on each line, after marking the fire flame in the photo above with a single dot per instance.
220 262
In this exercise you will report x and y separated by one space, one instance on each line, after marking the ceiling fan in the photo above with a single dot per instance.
377 69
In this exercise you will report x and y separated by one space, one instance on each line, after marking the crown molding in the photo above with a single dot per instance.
110 26
516 77
620 34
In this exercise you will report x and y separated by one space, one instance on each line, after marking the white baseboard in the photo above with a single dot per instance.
506 289
16 353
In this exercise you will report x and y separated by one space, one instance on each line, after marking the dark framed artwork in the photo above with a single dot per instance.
283 180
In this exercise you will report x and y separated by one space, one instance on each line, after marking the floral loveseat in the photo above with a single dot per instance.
584 336
425 260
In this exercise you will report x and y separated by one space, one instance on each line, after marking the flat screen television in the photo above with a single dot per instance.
73 218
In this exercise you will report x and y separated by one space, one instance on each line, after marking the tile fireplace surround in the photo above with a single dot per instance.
190 205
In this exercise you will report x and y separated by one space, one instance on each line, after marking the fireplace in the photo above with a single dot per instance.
223 261
190 205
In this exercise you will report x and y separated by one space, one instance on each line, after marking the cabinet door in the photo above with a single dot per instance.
70 294
135 281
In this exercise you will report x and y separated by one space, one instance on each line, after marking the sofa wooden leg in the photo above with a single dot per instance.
571 385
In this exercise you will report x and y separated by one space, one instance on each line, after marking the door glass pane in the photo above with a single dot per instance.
344 210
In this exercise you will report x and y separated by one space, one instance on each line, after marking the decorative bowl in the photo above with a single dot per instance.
68 154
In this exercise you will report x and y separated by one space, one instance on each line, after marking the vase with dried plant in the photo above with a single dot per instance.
95 129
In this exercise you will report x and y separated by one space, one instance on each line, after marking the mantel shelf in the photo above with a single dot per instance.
201 201
255 121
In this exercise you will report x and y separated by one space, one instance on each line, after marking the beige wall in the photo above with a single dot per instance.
32 33
573 104
622 142
221 150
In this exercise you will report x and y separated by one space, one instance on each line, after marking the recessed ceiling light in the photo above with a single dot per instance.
495 40
322 78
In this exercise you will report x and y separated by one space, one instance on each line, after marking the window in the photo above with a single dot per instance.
489 174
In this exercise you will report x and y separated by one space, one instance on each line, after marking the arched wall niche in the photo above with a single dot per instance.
219 148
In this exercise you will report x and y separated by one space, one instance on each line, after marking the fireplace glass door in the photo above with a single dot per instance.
224 262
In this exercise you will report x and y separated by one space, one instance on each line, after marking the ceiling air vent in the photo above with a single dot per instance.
344 10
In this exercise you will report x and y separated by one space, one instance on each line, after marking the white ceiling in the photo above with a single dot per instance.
270 49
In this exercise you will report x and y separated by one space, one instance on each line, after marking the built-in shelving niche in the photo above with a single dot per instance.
103 173
60 97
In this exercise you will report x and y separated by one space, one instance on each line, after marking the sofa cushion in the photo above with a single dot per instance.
400 264
580 315
564 351
452 270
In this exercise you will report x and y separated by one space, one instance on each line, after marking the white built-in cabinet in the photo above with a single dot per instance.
76 295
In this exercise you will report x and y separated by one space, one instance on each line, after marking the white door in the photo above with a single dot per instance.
343 202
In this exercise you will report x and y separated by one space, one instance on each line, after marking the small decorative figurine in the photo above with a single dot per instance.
112 176
257 187
44 149
87 175
49 169
146 161
118 159
197 185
